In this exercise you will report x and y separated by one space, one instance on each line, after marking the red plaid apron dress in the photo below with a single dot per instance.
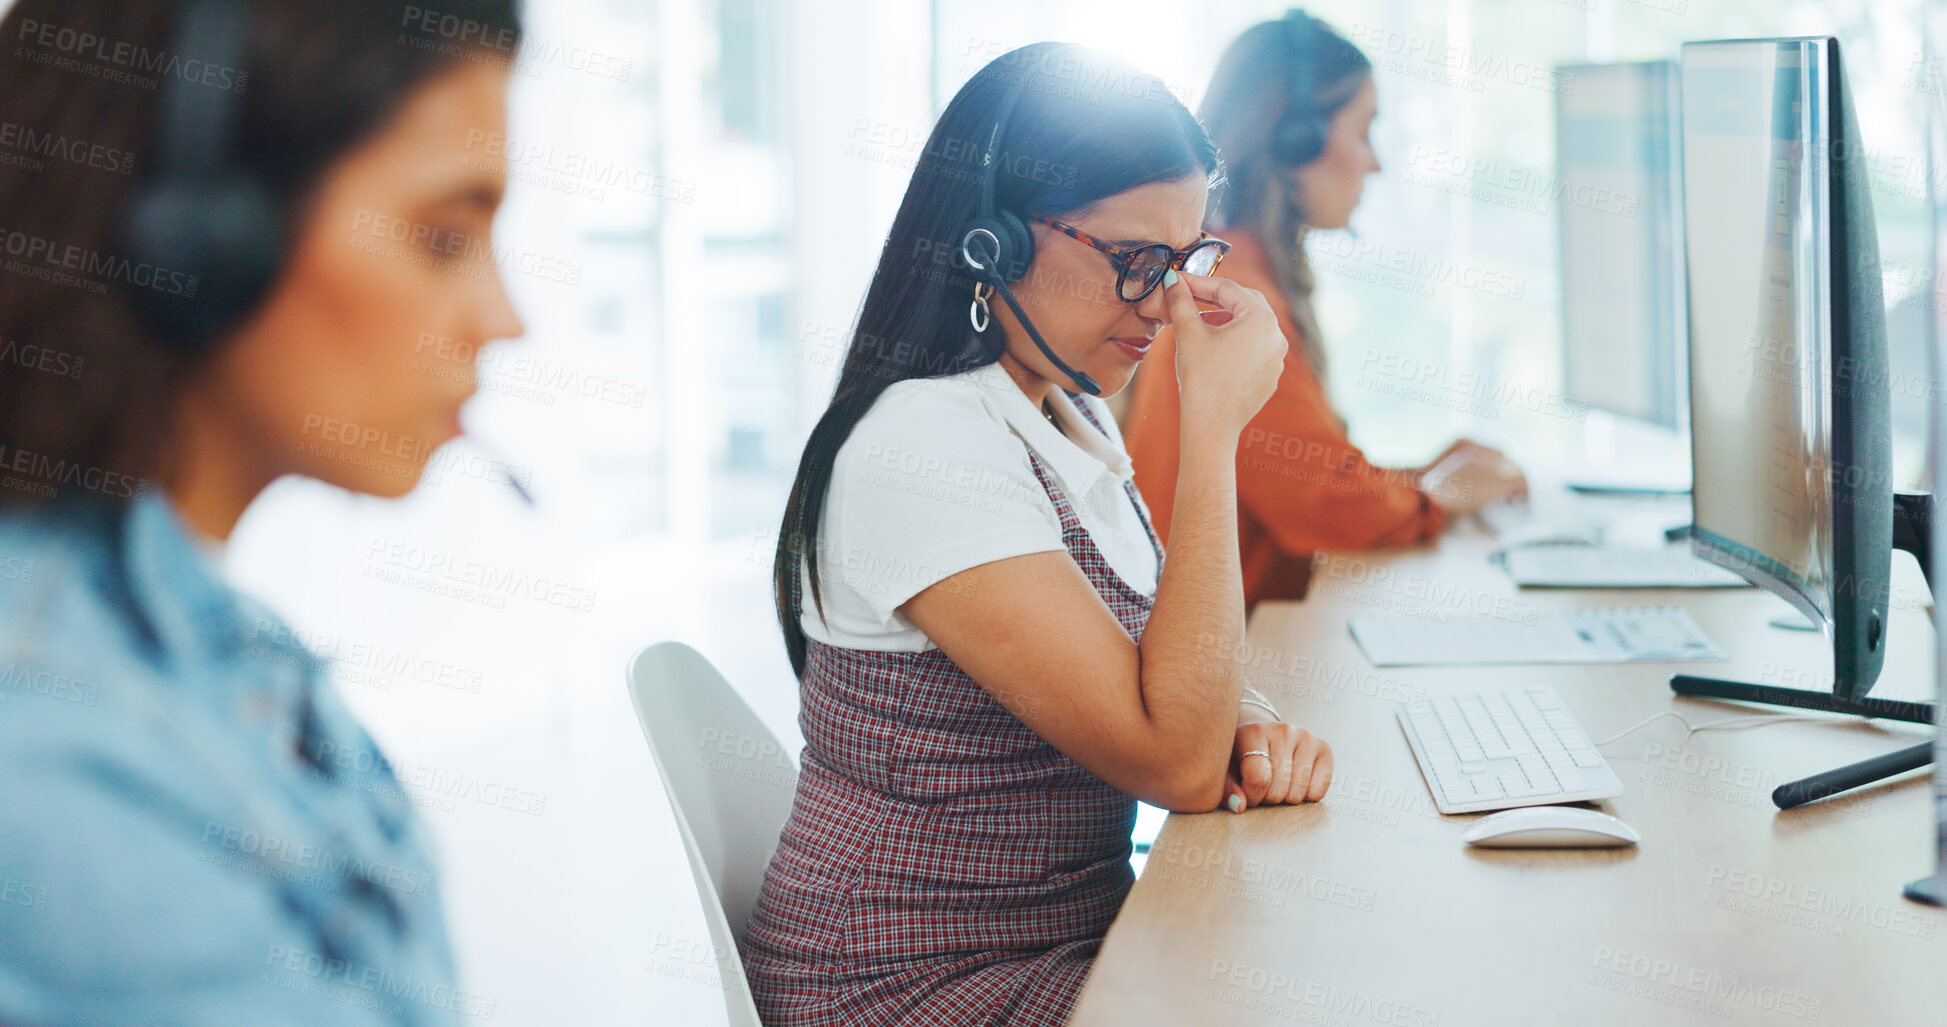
942 864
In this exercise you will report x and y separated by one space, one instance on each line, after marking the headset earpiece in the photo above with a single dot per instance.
999 242
1300 137
997 246
203 215
223 234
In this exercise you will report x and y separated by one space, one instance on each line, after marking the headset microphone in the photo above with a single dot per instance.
990 275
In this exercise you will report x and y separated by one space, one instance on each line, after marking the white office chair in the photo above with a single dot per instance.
730 786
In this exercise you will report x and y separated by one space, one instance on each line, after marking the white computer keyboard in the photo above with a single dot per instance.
1497 750
1615 567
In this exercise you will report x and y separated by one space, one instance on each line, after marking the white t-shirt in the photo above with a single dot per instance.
934 480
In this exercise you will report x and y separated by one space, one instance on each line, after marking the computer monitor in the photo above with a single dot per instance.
1618 146
1788 393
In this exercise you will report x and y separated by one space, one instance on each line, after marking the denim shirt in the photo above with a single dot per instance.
193 829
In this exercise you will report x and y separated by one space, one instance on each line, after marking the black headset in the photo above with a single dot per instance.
996 244
1300 136
203 212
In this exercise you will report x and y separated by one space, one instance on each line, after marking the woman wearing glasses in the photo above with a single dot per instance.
1296 158
995 660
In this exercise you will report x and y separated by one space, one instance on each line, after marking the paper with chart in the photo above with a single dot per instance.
1628 635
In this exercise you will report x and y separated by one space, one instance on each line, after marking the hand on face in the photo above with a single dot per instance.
1226 370
1069 290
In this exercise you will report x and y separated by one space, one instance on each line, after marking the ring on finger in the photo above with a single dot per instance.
1257 752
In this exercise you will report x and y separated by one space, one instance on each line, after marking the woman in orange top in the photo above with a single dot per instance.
1297 158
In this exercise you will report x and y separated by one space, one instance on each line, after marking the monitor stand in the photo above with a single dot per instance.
1930 890
1911 532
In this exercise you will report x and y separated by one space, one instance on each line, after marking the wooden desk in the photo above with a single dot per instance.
1368 908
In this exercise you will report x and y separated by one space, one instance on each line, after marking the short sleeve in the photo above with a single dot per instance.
931 482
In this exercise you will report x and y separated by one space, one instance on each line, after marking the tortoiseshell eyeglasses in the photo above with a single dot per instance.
1139 269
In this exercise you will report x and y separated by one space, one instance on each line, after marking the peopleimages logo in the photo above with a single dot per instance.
30 143
49 471
41 358
459 252
32 253
1679 983
1508 186
473 580
74 50
571 171
456 36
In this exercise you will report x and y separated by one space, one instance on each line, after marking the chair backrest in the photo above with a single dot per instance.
729 780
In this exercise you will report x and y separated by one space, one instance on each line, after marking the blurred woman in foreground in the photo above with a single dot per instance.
235 291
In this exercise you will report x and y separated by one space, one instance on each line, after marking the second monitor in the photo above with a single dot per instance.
1617 137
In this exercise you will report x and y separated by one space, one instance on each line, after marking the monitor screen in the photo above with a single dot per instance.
1617 156
1756 200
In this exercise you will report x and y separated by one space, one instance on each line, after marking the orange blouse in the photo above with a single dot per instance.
1302 486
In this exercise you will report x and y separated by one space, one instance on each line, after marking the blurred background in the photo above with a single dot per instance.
722 174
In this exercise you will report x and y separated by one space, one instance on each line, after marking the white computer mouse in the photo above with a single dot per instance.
1550 827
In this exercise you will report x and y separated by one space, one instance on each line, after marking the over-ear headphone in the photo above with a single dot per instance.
997 241
203 212
1300 135
996 245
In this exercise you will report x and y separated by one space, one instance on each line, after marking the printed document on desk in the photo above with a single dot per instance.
1628 635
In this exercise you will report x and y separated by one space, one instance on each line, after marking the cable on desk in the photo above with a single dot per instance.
1754 721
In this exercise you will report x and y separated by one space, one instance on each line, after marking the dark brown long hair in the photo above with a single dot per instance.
1276 71
86 393
1101 125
